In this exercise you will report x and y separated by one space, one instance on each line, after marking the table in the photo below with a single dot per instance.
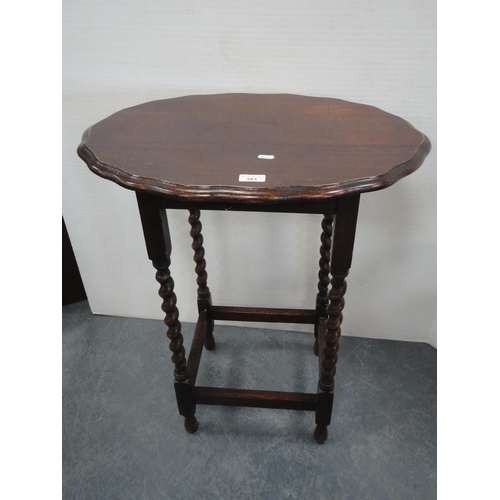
257 153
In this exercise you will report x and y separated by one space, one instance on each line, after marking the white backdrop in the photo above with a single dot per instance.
121 53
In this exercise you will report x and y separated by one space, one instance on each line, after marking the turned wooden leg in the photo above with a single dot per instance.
204 296
181 373
166 292
341 257
323 275
157 238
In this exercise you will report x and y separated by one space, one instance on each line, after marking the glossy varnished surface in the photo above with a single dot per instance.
195 147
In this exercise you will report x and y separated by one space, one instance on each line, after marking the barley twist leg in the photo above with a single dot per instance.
204 296
323 275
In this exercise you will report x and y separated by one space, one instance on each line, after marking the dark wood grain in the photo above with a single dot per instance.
188 153
196 350
199 255
158 244
254 398
195 147
264 314
154 226
321 206
341 259
204 295
323 274
325 398
169 307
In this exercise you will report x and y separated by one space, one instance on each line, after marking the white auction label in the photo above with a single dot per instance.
252 178
266 157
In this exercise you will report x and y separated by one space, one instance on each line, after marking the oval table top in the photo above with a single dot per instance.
253 148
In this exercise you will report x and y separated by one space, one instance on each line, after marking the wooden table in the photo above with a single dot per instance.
258 153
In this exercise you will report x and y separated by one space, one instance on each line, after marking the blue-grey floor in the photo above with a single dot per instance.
123 438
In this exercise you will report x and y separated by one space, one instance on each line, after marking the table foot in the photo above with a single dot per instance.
209 341
321 434
191 424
